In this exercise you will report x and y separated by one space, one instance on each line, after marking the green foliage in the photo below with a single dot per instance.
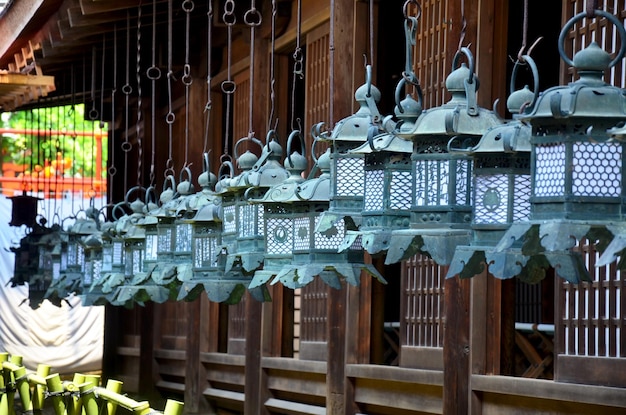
64 154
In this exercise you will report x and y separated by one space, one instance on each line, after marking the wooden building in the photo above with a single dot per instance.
421 343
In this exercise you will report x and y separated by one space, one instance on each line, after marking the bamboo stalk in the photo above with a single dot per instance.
4 404
55 388
113 386
39 380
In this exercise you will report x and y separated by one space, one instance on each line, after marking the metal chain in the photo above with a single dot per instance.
112 170
371 29
298 70
102 81
331 64
209 104
127 90
463 26
186 79
228 86
139 101
153 73
170 117
252 18
272 69
93 112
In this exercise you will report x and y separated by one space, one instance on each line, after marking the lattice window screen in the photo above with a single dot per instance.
430 64
423 301
317 77
313 311
241 107
237 320
599 30
593 314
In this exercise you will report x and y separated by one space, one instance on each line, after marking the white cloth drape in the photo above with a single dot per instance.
69 339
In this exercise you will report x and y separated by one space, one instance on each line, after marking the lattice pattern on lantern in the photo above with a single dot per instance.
164 238
374 190
400 190
331 239
349 176
280 236
230 222
301 237
56 270
432 182
206 251
550 170
597 170
250 217
183 237
151 247
88 273
491 199
117 255
133 267
521 206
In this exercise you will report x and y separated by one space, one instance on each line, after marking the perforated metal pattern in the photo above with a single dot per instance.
279 236
491 199
229 224
463 173
246 220
400 190
260 212
331 239
205 252
118 253
151 247
107 255
56 270
432 179
374 189
88 273
136 262
165 239
597 169
350 174
183 237
550 170
301 236
521 207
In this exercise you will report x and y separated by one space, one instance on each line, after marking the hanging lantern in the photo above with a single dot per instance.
577 166
24 210
279 214
441 208
291 230
387 187
242 222
501 192
347 167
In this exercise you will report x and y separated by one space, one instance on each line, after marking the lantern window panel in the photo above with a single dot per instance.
206 251
184 232
56 270
107 257
151 247
521 206
164 241
280 238
133 265
400 190
301 234
550 170
491 203
118 253
374 190
597 170
229 223
433 184
350 173
88 273
332 238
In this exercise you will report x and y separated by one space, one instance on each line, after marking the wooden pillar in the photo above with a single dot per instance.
342 97
194 373
147 372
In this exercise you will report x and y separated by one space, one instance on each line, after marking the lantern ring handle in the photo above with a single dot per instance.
292 136
598 13
455 149
150 196
132 190
470 58
405 8
231 170
169 180
535 72
185 171
317 131
411 78
248 138
206 165
316 140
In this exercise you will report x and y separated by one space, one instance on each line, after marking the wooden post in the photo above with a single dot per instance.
194 373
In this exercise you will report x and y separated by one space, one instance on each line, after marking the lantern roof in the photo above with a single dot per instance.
588 97
512 137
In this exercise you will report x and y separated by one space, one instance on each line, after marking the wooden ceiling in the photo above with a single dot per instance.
72 38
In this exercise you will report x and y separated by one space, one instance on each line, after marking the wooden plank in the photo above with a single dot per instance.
224 395
604 371
194 370
294 365
281 406
547 389
170 354
396 374
252 404
429 358
223 359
